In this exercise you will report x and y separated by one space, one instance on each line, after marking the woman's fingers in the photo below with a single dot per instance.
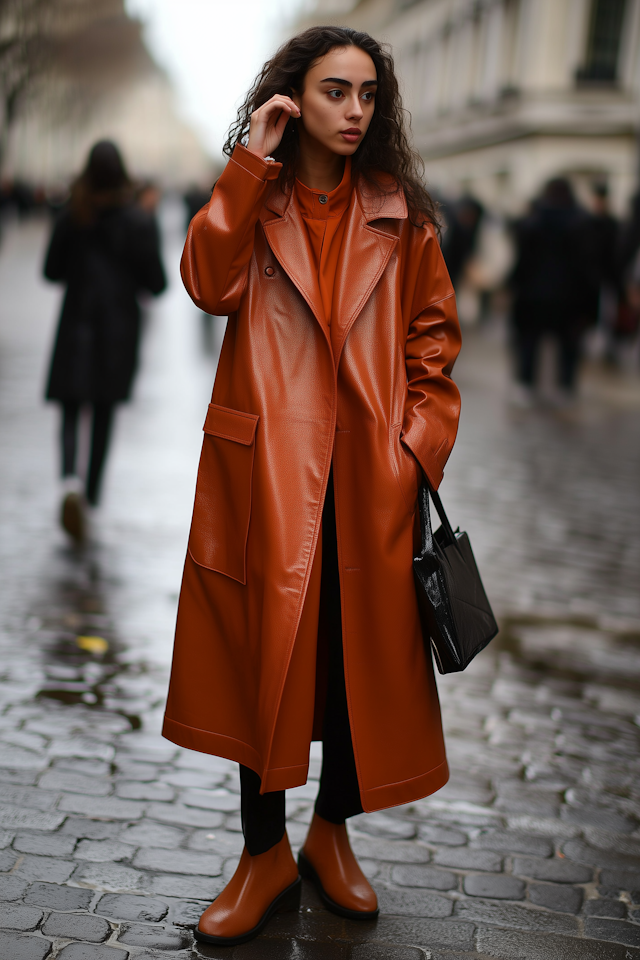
277 102
281 123
268 123
271 113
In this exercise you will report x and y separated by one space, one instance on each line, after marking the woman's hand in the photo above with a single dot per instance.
268 123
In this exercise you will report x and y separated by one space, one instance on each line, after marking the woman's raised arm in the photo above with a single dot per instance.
220 240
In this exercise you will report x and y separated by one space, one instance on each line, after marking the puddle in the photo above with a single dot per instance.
574 649
81 654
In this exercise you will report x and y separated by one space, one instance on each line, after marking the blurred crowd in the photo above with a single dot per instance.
21 199
564 271
570 272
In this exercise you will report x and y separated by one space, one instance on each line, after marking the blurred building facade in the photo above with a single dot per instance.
505 94
82 72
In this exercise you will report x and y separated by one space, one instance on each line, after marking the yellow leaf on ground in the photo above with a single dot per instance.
93 644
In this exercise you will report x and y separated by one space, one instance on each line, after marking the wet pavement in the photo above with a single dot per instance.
113 840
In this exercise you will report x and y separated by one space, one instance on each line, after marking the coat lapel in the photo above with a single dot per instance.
369 241
289 240
366 250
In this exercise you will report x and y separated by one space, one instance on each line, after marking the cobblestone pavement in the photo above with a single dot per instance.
113 840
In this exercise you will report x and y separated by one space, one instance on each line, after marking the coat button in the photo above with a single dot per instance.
323 198
269 271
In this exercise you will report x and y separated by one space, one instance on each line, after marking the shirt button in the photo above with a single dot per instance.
269 271
323 198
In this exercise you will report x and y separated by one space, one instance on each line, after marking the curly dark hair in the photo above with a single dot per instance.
385 148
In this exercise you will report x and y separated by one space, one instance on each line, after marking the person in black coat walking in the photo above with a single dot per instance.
106 250
555 284
459 242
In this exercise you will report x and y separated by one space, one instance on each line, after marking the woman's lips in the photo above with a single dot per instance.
352 135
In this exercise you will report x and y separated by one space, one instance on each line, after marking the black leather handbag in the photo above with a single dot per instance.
456 616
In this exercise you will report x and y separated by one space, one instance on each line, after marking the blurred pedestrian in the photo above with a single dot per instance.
459 242
555 288
605 228
106 250
633 285
333 399
604 236
148 196
194 199
627 319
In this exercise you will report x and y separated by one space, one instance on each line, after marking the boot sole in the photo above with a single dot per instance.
308 872
289 899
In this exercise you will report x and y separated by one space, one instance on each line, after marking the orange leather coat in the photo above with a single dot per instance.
372 392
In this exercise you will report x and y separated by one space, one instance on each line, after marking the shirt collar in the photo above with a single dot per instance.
318 205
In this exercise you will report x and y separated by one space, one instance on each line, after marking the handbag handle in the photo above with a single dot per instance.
444 520
427 547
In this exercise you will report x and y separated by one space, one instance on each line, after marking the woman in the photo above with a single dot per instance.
106 250
298 616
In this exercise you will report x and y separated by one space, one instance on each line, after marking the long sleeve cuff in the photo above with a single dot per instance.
432 462
255 165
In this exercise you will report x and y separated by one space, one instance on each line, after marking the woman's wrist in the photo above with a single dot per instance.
245 141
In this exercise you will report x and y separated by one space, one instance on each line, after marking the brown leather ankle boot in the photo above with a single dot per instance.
261 886
328 860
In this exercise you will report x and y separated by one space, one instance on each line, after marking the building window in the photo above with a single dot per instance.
603 46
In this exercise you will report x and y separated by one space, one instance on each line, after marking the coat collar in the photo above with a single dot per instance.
374 204
366 251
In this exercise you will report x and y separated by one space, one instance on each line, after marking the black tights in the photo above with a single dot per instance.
263 817
100 433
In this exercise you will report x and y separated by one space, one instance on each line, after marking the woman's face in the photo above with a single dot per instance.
338 99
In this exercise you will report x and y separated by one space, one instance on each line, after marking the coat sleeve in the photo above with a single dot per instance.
433 342
220 240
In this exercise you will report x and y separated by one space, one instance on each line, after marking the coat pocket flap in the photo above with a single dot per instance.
231 424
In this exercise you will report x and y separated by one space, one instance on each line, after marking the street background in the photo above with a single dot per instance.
533 845
112 840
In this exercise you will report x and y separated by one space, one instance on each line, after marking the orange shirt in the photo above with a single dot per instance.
323 215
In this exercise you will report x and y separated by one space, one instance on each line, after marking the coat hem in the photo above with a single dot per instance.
285 778
203 741
405 791
216 744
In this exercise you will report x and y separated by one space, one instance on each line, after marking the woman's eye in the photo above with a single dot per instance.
335 94
368 96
